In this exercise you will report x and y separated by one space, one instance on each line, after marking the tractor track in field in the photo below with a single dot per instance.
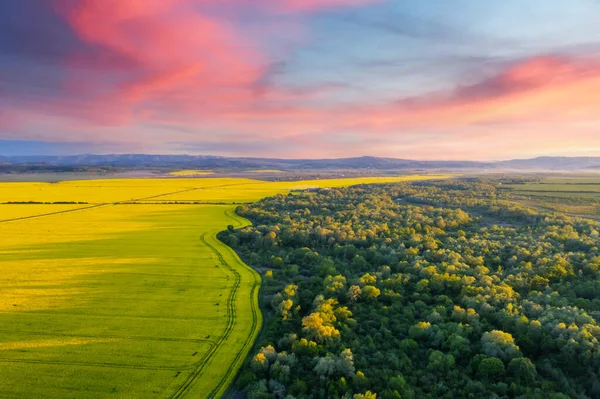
181 391
228 328
249 341
250 337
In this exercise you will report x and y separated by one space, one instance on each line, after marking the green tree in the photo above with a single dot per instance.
370 292
522 370
491 368
499 344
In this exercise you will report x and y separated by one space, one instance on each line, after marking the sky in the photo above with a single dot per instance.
417 79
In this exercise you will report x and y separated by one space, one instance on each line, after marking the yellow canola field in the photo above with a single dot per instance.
123 301
106 191
252 190
185 189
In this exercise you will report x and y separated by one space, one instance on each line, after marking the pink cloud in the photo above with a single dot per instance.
315 5
180 62
536 89
175 50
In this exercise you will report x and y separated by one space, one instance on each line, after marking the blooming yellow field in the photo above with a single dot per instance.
188 189
106 191
127 300
118 299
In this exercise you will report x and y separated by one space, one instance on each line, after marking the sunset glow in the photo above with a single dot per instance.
301 78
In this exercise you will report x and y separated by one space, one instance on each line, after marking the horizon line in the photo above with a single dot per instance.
298 159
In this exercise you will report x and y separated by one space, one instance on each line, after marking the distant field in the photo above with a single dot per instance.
110 299
252 190
562 186
107 191
266 171
205 189
574 195
192 172
572 188
573 179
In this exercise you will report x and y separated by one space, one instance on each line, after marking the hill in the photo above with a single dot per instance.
37 163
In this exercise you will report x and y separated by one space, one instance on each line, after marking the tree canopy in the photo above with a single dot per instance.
425 290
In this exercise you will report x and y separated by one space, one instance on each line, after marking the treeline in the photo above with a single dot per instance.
425 290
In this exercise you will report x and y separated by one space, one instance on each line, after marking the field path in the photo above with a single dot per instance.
184 390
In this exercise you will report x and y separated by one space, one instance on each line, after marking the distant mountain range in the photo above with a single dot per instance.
362 163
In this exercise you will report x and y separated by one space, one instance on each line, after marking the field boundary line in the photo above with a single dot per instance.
193 377
254 307
92 207
183 388
53 213
234 367
188 190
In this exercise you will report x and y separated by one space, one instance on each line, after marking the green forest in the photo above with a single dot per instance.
447 289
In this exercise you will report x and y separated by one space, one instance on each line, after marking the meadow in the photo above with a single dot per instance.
127 294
